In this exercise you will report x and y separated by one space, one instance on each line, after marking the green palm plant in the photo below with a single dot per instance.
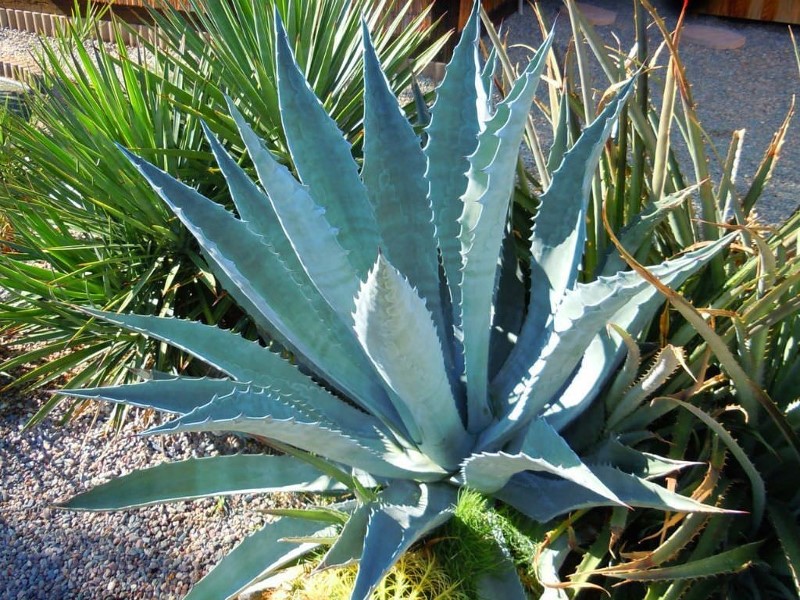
88 231
417 367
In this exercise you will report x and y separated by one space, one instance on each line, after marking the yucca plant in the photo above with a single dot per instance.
5 228
416 366
326 36
89 232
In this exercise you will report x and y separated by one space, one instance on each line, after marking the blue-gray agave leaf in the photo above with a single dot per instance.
398 334
582 313
549 564
543 498
605 352
403 514
202 477
302 228
293 421
460 107
643 464
349 545
386 292
559 233
259 280
179 395
268 550
314 139
485 214
394 167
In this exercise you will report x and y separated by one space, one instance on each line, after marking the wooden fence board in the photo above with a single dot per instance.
785 11
179 4
458 10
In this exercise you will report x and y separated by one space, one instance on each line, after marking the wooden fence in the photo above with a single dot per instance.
454 13
179 4
786 11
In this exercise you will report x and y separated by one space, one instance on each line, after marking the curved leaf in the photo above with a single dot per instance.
291 421
641 227
349 546
179 395
642 464
259 279
225 350
251 203
183 395
788 530
543 499
456 116
491 178
245 361
600 360
258 555
303 227
292 222
403 514
200 477
323 160
666 362
730 561
759 491
394 175
583 313
549 563
397 333
543 450
559 232
488 473
249 266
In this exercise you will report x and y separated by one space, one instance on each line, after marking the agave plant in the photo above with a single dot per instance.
416 367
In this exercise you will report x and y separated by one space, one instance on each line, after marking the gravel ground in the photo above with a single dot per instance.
154 552
158 552
18 46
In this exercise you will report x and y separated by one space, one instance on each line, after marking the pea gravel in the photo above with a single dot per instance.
159 552
154 552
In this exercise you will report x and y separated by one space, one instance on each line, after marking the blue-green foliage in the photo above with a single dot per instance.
382 284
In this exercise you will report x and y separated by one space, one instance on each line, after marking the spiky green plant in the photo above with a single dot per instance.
327 47
417 367
717 386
